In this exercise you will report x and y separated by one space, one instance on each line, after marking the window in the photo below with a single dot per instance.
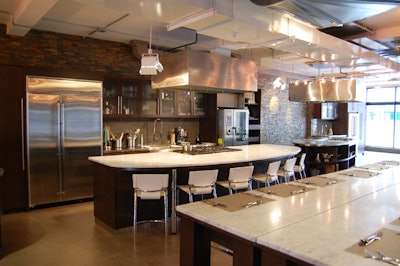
383 118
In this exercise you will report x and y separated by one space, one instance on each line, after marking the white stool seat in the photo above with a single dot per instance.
150 187
200 182
239 178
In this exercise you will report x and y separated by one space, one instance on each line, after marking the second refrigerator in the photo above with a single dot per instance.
233 126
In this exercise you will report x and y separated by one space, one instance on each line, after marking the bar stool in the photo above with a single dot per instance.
200 182
239 178
288 170
301 167
150 187
271 176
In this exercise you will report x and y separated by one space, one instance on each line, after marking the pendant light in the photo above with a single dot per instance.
150 63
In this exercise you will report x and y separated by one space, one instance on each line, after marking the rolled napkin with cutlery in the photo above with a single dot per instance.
370 239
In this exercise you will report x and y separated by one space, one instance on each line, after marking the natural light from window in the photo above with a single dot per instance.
383 118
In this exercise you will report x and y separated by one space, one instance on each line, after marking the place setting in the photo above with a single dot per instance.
382 245
360 173
238 201
389 163
286 189
374 167
320 181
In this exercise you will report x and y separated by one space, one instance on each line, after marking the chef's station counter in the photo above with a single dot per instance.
329 141
113 197
327 154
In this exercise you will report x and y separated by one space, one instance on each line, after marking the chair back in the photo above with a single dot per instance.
241 174
289 164
273 169
203 178
302 159
150 182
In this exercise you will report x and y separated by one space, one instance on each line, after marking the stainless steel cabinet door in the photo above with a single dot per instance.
43 149
81 134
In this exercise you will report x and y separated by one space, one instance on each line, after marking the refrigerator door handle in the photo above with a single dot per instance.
22 135
60 143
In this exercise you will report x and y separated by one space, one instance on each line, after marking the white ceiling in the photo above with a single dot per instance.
277 42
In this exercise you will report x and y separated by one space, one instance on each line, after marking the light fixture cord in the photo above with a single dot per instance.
151 32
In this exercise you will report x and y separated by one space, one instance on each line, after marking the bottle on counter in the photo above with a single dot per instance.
107 109
198 139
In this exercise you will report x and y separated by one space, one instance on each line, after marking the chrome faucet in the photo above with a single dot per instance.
155 139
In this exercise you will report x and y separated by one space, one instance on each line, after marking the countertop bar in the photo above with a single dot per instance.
313 227
169 159
113 182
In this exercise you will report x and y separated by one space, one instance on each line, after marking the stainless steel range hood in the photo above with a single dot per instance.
207 72
328 91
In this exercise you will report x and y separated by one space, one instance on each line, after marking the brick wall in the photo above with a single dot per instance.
282 121
53 51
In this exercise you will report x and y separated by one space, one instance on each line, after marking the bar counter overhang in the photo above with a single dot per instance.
112 176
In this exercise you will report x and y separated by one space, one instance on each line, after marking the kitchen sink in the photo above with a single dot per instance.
160 148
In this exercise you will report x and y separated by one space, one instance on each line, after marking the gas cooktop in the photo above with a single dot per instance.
208 150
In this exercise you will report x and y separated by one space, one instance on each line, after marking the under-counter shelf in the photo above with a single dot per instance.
341 156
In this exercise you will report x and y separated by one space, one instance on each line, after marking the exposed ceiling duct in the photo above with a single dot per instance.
328 13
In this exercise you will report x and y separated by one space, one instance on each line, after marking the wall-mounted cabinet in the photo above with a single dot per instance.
130 98
120 97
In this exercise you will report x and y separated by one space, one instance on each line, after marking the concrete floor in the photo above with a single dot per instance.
68 235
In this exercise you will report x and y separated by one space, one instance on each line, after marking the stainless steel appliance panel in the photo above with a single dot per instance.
64 128
233 126
43 149
81 139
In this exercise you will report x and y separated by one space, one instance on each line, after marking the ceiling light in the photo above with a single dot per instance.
191 19
150 63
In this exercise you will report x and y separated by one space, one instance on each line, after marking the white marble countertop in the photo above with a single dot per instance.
308 216
171 159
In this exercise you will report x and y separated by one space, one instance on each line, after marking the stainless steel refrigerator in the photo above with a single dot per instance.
64 128
233 126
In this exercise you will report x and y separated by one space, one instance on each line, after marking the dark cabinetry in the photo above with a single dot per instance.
252 102
130 98
12 126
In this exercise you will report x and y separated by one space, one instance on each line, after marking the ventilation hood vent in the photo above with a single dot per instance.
328 91
206 72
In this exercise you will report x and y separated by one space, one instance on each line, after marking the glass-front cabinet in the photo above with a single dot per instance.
199 104
149 100
129 95
136 98
110 97
167 102
184 102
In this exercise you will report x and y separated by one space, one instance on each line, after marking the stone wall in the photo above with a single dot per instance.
282 121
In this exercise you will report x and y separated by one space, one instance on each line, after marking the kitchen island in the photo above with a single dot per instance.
112 175
322 225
